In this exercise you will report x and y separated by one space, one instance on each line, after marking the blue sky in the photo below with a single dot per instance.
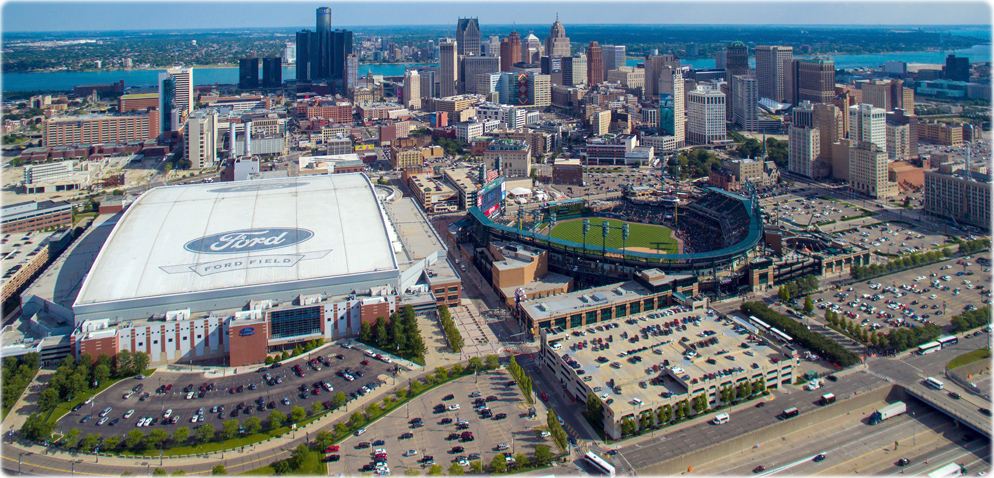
141 15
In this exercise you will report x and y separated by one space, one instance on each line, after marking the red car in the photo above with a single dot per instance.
545 397
759 469
365 362
331 448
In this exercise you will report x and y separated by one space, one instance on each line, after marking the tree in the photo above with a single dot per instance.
134 439
808 305
664 414
218 470
48 399
373 410
543 454
269 360
435 470
456 369
492 362
441 373
338 400
253 425
456 469
285 355
159 472
365 333
297 414
522 460
595 409
276 419
498 464
140 362
324 439
179 473
316 408
111 442
229 429
627 426
475 364
155 438
282 467
357 420
476 467
101 373
341 429
71 439
382 335
204 433
123 364
182 433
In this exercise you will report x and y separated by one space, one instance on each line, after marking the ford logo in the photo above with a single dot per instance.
248 240
246 331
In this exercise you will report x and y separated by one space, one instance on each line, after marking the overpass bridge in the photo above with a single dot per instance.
962 411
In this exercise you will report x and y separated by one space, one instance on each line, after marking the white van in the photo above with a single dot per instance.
720 418
812 385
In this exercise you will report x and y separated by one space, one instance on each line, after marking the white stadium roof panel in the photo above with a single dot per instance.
199 238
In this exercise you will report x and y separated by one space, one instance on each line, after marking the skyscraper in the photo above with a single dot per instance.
491 48
248 73
614 57
531 49
448 69
868 170
653 66
290 53
175 98
468 36
304 73
812 80
772 65
705 116
803 149
201 134
515 52
595 64
574 70
737 63
272 72
557 44
957 68
868 124
745 102
829 121
323 54
671 104
472 66
412 90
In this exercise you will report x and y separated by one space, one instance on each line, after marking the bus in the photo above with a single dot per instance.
948 471
948 340
933 382
925 349
780 335
790 413
599 464
758 323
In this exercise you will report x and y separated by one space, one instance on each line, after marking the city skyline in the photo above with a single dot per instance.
36 16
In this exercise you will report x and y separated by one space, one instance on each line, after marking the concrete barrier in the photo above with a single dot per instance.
774 431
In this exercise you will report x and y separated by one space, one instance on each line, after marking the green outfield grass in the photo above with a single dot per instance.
640 235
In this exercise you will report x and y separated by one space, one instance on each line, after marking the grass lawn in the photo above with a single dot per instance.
641 235
969 357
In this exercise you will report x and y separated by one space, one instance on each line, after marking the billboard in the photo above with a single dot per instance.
490 198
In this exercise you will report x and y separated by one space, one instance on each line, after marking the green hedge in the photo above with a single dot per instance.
819 344
971 319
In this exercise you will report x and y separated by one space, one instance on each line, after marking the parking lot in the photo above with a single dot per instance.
281 396
894 238
436 436
812 210
911 297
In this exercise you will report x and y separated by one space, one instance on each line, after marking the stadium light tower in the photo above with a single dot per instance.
624 241
586 229
605 230
552 225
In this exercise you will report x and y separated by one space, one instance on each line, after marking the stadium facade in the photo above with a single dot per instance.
236 270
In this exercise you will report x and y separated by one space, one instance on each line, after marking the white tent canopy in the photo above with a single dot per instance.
520 192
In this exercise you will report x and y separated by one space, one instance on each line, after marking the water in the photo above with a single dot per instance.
64 81
976 54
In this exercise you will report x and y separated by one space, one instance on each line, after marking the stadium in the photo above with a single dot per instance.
229 272
711 236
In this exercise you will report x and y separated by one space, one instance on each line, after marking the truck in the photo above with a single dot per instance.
888 411
828 399
948 471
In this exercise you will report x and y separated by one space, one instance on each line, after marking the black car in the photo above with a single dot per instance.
954 395
491 398
453 436
446 421
457 449
819 457
77 407
363 444
379 442
500 416
276 365
474 456
448 397
334 458
85 419
903 462
367 467
985 411
271 405
234 413
832 378
407 435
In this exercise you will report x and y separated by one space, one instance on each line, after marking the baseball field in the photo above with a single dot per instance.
642 237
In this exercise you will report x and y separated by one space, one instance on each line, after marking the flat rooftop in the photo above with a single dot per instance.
18 248
616 365
597 297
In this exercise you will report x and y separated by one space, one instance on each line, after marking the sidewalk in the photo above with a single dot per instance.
26 405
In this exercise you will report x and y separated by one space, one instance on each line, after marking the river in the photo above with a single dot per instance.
64 81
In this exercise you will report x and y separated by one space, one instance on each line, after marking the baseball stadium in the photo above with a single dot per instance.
711 236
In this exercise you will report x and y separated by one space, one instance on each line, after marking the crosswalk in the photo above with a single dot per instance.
879 375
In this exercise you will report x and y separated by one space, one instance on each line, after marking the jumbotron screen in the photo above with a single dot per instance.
491 197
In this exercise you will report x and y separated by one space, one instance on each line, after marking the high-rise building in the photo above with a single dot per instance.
899 117
803 149
557 44
957 68
175 98
720 59
491 47
888 95
516 55
531 49
705 116
868 124
672 105
772 66
412 90
829 121
272 72
99 128
745 102
803 115
653 66
959 195
737 63
898 142
574 70
868 170
468 37
290 53
201 135
812 80
248 73
323 54
448 69
614 57
472 66
352 72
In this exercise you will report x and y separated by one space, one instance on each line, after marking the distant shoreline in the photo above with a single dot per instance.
212 66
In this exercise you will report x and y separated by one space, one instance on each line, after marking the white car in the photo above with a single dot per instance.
454 406
129 413
193 419
168 413
410 452
189 396
544 434
360 431
380 450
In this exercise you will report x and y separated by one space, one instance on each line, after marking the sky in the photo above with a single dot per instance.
32 15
